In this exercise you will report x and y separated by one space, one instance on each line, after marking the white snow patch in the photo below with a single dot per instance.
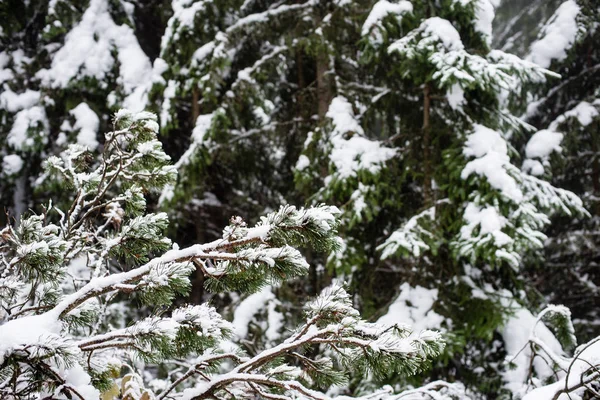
484 16
414 307
380 10
27 331
24 119
443 30
87 52
13 102
516 334
253 304
351 151
491 156
557 36
489 220
584 112
11 164
87 122
543 143
456 97
302 163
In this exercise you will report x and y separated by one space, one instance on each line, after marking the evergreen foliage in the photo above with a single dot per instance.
459 159
65 275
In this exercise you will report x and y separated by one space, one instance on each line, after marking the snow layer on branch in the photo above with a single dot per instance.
557 36
380 10
414 307
456 97
25 119
351 151
410 237
491 156
203 124
87 52
28 331
13 102
587 356
11 164
256 303
87 122
443 30
484 16
543 143
77 378
184 13
489 220
584 112
516 334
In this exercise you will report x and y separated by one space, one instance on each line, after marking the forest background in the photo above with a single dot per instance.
458 138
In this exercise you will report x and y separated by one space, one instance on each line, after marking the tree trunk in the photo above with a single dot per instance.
195 105
197 293
323 84
300 109
427 197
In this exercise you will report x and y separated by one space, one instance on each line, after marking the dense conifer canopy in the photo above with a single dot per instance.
299 199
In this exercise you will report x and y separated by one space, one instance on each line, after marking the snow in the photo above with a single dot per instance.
380 10
533 167
77 378
557 36
409 237
584 112
456 97
354 153
588 356
264 16
13 102
543 143
202 53
443 30
87 122
302 163
28 331
414 307
484 16
256 303
491 152
11 164
489 220
87 52
342 115
168 94
516 332
203 124
184 13
18 137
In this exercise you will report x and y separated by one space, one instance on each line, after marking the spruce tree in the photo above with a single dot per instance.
571 109
426 164
64 66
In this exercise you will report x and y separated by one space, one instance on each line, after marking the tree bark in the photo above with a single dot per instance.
427 195
323 84
195 104
300 108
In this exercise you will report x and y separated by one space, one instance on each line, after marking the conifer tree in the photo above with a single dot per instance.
64 66
398 112
564 151
66 275
440 184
